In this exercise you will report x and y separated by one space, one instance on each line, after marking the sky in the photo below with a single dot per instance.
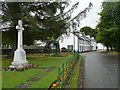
92 16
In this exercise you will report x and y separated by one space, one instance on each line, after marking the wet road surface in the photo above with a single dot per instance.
101 70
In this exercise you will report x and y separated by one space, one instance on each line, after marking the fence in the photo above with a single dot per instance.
64 73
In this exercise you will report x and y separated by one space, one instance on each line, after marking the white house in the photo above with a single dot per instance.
93 44
80 42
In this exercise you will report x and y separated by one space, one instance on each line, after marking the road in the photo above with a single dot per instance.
100 70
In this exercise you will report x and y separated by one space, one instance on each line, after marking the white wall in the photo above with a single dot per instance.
101 46
68 41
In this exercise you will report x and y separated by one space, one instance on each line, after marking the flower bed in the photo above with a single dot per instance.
29 66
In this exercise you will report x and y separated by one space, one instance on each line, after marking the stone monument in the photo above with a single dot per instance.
19 60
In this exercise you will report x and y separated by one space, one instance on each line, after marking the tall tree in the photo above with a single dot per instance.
28 13
42 20
38 18
89 31
108 25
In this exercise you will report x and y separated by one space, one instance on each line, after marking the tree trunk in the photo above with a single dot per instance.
107 48
111 48
47 48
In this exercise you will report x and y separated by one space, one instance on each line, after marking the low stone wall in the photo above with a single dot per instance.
28 51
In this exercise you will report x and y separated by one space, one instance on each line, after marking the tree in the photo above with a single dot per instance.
108 35
89 31
36 26
38 21
44 21
108 25
10 16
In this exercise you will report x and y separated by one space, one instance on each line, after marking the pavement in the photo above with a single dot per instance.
100 70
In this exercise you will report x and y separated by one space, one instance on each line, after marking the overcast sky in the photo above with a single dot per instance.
92 16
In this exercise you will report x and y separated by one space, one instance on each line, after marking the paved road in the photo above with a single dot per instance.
101 70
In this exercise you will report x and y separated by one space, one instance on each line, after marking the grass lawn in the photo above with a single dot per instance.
10 79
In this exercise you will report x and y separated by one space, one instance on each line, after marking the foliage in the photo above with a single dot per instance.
42 20
45 21
89 31
108 26
44 17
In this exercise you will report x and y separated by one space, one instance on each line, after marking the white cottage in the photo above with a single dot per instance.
69 42
80 42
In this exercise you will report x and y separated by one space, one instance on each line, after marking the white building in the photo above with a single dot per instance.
68 42
93 44
82 42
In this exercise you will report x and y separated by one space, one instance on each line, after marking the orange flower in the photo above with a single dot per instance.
54 85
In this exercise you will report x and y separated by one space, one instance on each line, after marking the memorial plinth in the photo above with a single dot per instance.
19 60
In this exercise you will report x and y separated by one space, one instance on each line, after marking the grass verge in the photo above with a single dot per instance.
113 53
74 81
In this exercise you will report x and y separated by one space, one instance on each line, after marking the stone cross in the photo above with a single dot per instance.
20 37
19 55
